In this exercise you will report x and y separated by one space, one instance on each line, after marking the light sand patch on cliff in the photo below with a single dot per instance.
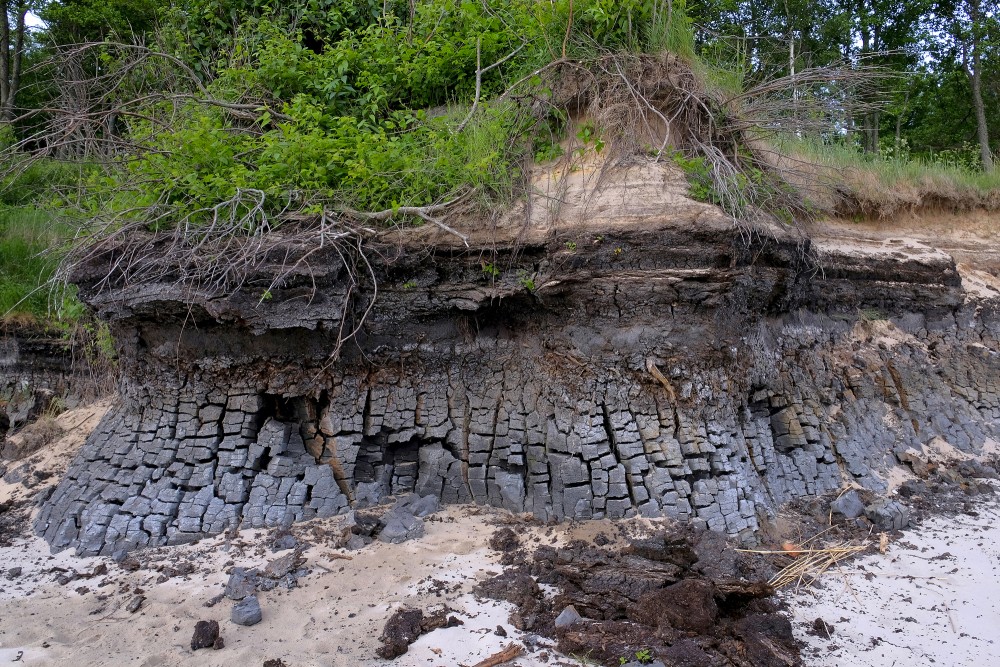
54 457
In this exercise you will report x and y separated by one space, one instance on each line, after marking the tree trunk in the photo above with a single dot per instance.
4 56
17 58
974 72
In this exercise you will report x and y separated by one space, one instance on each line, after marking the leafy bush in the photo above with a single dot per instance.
360 105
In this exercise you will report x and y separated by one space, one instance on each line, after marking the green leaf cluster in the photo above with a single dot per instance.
358 105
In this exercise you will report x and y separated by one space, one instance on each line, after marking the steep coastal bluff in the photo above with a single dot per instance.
629 351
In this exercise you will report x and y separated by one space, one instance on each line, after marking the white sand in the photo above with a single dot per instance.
932 599
334 617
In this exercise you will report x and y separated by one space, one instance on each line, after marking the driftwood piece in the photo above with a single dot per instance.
506 655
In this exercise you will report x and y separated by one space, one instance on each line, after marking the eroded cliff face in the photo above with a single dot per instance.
36 367
634 354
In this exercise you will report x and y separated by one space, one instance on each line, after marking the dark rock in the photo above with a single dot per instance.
362 523
284 542
134 604
368 494
401 630
219 644
399 526
246 611
279 567
357 542
913 487
14 572
500 632
241 584
205 634
888 515
275 662
849 505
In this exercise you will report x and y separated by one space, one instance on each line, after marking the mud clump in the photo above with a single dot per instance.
406 625
684 598
504 540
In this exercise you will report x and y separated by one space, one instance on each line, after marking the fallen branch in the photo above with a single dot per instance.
512 651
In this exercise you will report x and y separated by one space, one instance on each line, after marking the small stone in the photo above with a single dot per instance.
14 573
240 585
284 542
219 644
568 617
205 634
357 542
500 632
134 604
215 600
247 611
281 566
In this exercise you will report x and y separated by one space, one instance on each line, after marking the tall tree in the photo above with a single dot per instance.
971 32
12 45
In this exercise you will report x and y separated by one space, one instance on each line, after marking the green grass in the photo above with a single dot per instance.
28 237
883 185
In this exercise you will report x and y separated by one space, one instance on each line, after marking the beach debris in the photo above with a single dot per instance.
401 630
408 623
509 653
821 628
812 563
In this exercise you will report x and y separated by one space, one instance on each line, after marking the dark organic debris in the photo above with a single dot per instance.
205 635
821 628
504 540
401 630
687 598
